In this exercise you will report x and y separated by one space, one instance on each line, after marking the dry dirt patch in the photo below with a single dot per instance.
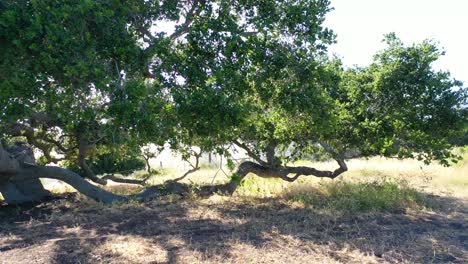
227 230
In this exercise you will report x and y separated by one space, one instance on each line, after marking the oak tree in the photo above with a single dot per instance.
90 78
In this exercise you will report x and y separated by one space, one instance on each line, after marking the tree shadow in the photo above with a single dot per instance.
208 230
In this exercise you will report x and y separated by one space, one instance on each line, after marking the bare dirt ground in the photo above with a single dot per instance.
229 230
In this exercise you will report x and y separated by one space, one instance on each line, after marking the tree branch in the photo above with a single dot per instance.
28 132
82 151
250 153
194 167
280 172
249 33
12 170
191 14
113 178
270 152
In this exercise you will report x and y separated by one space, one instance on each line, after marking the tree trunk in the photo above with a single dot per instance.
88 173
19 179
16 192
148 166
12 189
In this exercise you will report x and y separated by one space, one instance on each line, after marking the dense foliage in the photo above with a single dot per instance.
84 77
399 106
108 163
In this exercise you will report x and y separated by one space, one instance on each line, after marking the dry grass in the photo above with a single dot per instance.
222 229
381 211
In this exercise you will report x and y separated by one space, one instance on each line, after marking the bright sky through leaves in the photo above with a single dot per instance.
361 24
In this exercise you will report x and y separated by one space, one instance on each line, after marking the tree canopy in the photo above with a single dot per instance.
83 79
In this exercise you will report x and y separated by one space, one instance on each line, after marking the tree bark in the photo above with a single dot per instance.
19 180
148 166
16 190
88 173
128 181
281 172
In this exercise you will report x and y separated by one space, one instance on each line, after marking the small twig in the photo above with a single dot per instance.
219 169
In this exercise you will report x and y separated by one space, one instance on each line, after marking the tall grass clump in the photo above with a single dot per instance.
261 187
358 196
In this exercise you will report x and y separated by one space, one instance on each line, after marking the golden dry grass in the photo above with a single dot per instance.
380 211
222 229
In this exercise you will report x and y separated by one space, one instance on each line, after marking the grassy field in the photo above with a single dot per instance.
380 211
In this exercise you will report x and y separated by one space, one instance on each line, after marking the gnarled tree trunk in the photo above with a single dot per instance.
17 190
19 179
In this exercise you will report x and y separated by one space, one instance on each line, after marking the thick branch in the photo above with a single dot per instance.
270 152
250 152
307 171
113 178
249 33
58 144
191 14
281 172
16 170
28 132
329 149
82 151
75 180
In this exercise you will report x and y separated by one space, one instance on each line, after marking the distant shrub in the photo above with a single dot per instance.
108 163
462 150
160 171
209 166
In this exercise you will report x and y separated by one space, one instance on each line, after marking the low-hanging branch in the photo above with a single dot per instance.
270 169
17 171
114 178
281 172
24 130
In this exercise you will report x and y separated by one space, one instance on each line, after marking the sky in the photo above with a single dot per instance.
361 24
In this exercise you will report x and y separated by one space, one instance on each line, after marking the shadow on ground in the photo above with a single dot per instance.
178 230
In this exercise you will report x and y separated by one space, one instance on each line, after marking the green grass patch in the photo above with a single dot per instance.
260 187
358 197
